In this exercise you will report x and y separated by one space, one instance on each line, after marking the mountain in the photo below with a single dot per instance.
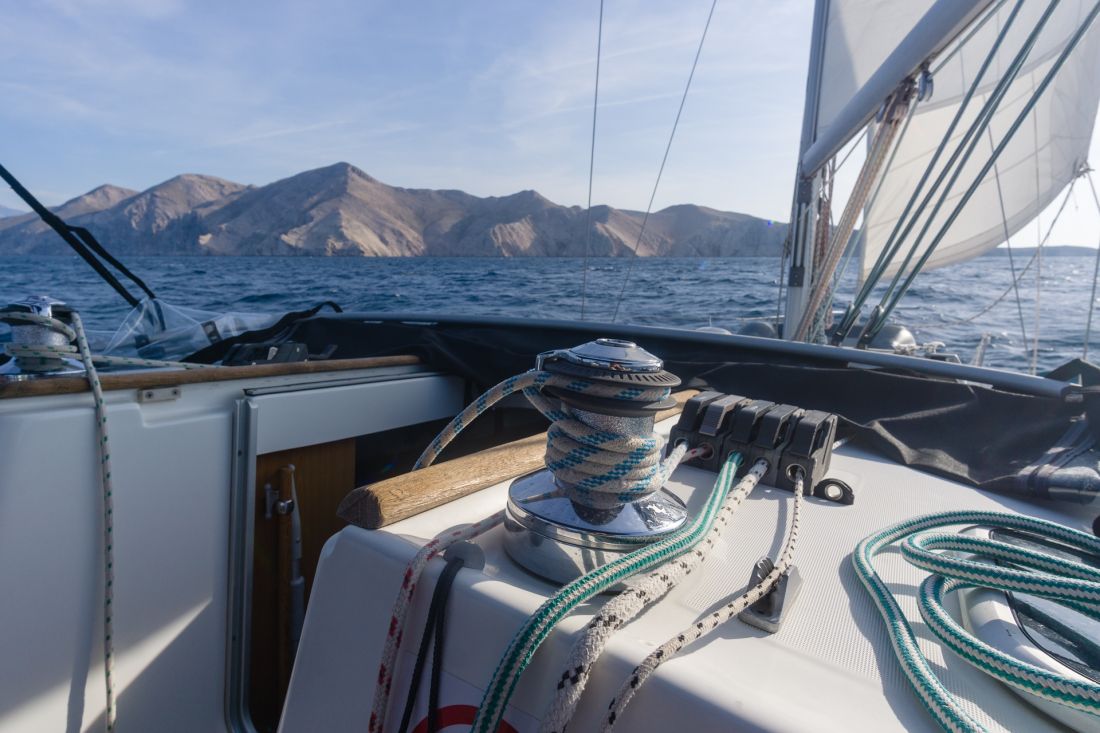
339 210
98 199
5 212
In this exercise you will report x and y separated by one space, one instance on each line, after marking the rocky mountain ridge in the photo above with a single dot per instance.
339 210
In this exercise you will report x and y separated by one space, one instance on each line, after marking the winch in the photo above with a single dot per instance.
26 337
554 526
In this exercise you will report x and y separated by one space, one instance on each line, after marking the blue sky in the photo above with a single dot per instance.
489 97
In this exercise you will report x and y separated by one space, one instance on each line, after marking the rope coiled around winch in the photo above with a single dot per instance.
599 468
45 357
1038 573
594 466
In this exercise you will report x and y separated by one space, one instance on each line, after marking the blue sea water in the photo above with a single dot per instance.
671 292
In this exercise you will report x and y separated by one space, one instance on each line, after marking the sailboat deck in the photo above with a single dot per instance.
830 666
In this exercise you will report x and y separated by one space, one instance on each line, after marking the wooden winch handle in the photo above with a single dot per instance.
401 497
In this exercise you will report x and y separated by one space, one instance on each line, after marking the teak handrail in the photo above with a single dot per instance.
175 377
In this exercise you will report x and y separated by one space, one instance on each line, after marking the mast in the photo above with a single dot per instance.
929 35
807 190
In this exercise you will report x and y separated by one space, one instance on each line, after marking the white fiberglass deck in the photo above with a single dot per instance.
830 667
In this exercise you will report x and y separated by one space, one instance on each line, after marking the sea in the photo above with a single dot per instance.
679 292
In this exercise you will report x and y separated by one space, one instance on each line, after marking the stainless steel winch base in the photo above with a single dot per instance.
549 535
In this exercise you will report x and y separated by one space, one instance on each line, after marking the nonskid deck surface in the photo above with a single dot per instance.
830 666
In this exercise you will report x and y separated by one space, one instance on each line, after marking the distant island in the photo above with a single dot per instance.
1050 250
339 210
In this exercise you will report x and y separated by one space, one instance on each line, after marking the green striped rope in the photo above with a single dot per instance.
1038 573
538 626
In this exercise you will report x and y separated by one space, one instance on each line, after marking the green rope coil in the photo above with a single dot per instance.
1030 571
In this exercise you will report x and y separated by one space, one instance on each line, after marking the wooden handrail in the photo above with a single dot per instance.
175 377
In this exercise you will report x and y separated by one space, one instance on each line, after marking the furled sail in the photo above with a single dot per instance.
1046 153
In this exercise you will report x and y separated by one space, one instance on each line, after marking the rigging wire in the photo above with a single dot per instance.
955 164
592 161
1039 251
1095 276
853 147
1008 241
664 159
898 235
940 63
1014 127
1020 278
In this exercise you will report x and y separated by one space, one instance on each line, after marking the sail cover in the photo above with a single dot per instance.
1042 158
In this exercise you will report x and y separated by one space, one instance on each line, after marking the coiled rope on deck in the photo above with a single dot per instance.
1070 583
46 357
597 467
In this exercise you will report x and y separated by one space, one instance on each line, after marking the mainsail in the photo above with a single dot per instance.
936 63
1039 161
859 36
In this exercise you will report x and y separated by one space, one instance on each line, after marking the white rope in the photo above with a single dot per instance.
620 610
45 357
868 175
708 624
108 521
538 626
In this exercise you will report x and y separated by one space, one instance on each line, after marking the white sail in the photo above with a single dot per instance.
859 36
1043 157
